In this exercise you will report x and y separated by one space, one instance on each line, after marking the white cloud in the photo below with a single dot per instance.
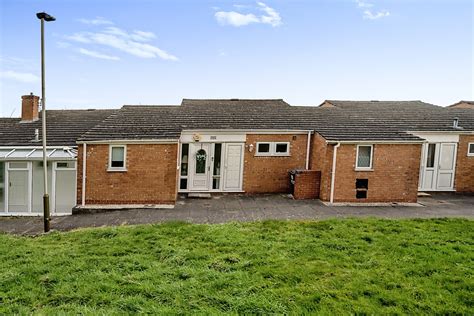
270 16
25 77
368 13
131 43
97 21
273 17
363 4
235 18
374 16
95 54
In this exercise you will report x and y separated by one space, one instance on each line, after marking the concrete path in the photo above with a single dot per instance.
226 208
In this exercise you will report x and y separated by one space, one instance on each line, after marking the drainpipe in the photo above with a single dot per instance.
333 174
307 150
178 167
84 165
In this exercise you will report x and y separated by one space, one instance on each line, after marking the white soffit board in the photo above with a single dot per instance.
211 137
438 137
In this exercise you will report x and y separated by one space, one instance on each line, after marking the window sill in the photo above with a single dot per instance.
116 170
269 155
364 169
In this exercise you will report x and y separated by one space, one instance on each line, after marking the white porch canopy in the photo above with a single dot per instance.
36 153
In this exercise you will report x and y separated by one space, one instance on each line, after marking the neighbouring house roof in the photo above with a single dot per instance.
342 120
463 105
64 127
365 120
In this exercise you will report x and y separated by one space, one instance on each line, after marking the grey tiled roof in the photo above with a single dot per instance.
347 120
63 127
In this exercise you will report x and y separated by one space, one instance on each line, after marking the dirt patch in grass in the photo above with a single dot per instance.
334 266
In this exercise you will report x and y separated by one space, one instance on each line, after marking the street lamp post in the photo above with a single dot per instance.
43 16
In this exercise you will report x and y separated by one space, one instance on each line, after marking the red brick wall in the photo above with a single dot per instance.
270 174
321 160
307 184
150 177
464 179
394 177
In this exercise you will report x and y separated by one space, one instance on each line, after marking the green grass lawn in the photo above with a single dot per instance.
334 266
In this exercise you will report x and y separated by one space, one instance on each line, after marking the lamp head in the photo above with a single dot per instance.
45 16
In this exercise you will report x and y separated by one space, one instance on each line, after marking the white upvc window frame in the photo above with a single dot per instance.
469 153
272 149
370 168
287 153
269 153
118 169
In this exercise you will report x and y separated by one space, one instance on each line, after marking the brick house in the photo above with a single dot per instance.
344 151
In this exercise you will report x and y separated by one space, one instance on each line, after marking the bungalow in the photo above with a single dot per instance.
144 156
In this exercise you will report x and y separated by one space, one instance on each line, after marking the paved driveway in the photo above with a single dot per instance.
225 208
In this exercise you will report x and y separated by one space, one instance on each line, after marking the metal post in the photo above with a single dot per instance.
46 213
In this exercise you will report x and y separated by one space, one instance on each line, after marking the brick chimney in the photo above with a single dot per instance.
29 108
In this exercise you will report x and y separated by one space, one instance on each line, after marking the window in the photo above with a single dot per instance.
18 165
273 149
263 148
201 157
66 165
470 149
216 170
117 158
183 182
430 156
281 148
364 157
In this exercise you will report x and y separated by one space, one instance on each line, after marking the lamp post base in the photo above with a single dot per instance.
46 214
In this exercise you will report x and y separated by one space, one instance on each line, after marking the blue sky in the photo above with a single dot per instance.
108 53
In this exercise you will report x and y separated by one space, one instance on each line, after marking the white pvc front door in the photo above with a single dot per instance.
233 167
18 187
447 163
438 167
200 166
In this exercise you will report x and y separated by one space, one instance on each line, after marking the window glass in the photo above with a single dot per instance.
263 148
184 159
183 184
65 164
201 157
430 156
281 148
18 165
118 157
363 160
471 149
217 159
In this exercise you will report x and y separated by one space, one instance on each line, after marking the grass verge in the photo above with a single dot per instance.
334 266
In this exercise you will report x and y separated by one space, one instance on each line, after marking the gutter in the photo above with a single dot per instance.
308 146
131 141
333 174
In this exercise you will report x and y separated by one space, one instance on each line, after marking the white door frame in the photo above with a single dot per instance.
436 169
210 166
193 149
242 145
54 170
7 185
